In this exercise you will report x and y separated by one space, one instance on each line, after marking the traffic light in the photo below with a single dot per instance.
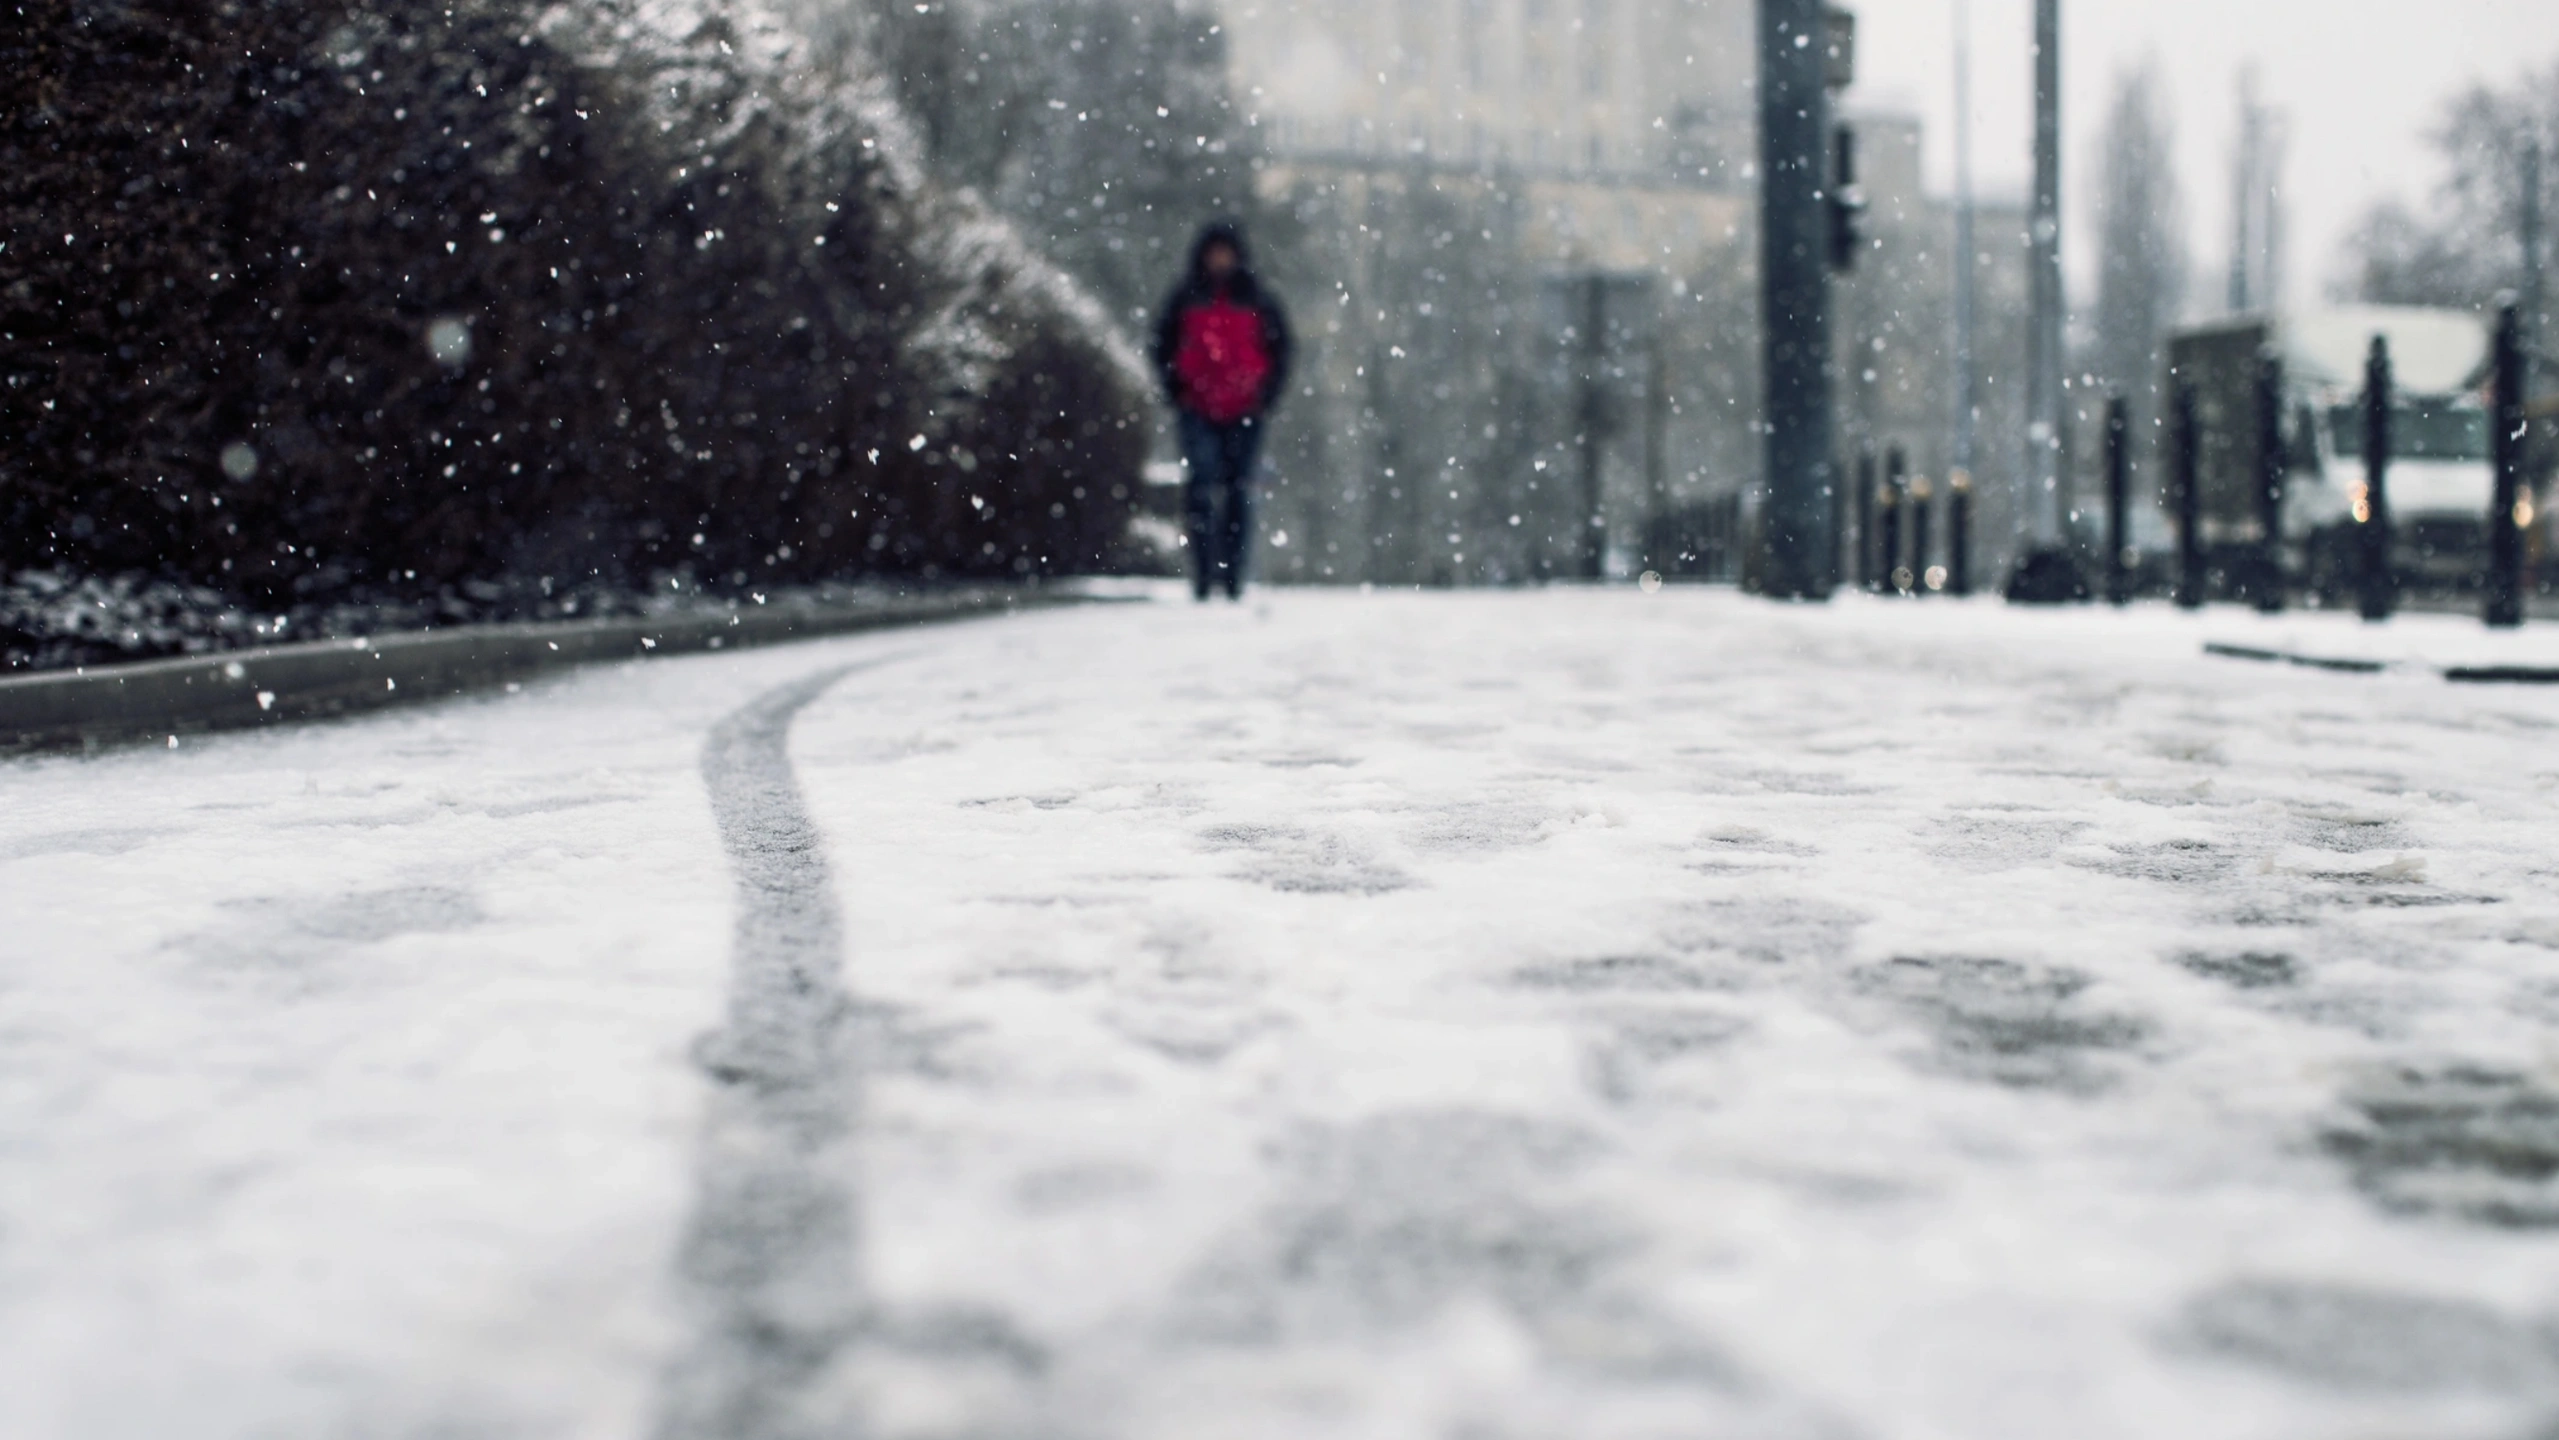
1847 201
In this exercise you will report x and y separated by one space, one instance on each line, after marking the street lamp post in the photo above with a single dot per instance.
1959 479
1804 48
2044 376
2048 572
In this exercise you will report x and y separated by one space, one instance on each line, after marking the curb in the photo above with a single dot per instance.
96 705
2502 674
2457 674
2315 662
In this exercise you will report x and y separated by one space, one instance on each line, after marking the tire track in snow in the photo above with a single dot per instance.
773 1252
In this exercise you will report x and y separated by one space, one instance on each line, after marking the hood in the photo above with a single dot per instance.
1221 232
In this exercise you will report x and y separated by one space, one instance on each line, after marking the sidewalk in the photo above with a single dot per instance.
1527 1014
1595 1014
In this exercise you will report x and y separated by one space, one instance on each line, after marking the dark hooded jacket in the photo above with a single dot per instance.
1240 287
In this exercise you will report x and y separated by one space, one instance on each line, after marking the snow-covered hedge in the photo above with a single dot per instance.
310 297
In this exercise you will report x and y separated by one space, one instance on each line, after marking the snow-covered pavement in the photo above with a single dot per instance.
1570 1014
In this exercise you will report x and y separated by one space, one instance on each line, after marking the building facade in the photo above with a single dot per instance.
1650 87
1459 177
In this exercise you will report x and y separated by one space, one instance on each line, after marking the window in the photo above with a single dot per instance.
1476 17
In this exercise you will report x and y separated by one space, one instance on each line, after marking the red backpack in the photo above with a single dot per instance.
1223 360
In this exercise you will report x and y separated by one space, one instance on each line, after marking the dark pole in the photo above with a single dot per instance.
1837 574
2188 438
1966 259
2534 328
1843 214
1594 537
1888 562
1866 518
2532 268
2380 588
2505 426
2270 480
1389 438
1794 151
2044 340
1959 533
1390 459
2118 500
1658 548
1920 495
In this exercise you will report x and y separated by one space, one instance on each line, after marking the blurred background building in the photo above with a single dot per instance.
1510 225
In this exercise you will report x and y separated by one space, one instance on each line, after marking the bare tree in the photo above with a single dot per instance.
2464 246
2256 276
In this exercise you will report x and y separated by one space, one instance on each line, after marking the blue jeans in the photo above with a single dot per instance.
1217 499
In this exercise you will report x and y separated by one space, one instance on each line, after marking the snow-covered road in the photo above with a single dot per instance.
1574 1014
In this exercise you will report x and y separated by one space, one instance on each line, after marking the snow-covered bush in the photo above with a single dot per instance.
310 297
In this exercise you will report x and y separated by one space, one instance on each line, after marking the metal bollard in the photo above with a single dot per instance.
1959 532
2269 583
1866 518
2506 511
2378 590
1924 577
2118 497
2189 442
1835 489
1894 576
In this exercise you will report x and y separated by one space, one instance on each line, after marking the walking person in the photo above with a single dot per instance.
1222 348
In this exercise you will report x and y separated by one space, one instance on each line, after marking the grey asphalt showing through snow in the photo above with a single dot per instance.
773 1246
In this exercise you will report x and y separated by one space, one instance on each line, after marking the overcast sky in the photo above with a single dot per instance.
2361 80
